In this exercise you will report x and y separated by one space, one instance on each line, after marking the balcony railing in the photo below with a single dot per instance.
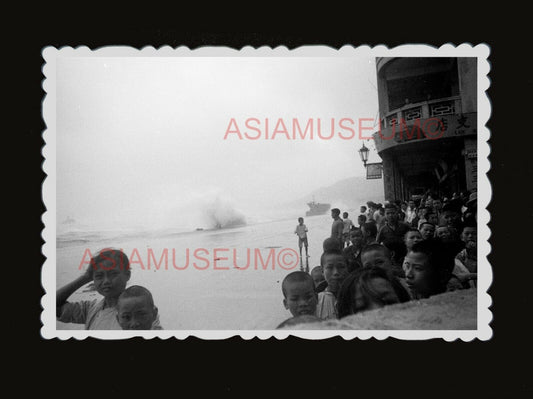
412 113
442 108
426 109
392 120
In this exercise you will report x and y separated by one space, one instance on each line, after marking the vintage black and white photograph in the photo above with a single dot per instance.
266 192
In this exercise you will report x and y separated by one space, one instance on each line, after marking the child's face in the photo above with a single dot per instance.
356 237
432 218
391 215
427 231
301 298
418 274
301 221
449 218
385 295
411 238
444 233
317 275
335 271
136 313
376 258
112 282
469 234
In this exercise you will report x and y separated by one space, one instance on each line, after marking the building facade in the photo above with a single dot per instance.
427 136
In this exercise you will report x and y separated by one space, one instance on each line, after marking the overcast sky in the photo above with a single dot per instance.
140 139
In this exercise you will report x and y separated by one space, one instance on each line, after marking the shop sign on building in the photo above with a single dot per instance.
374 170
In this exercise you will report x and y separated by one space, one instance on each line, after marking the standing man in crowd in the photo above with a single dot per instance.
410 213
337 227
348 225
370 211
393 230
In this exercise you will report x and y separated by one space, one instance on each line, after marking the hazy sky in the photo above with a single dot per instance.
140 140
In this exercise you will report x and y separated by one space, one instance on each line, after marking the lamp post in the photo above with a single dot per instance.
363 153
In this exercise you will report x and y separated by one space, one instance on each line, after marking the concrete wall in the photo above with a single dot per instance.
388 177
449 311
467 68
383 98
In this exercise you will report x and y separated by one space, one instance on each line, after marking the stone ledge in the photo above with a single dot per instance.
455 310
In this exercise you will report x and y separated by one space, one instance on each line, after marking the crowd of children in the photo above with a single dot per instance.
399 251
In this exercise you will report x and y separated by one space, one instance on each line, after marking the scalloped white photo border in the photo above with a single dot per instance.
484 315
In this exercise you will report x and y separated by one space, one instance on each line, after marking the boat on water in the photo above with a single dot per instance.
317 208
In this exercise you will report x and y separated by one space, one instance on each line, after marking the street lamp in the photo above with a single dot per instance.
363 153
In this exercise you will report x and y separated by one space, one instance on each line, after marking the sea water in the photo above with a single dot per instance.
203 297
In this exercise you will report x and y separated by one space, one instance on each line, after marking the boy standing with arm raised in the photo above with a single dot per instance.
109 270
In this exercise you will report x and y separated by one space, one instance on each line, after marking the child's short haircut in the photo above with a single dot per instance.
136 291
391 205
470 224
411 229
440 258
371 228
470 219
336 211
363 218
424 223
300 218
362 206
119 258
332 251
331 244
376 247
317 268
396 250
296 277
360 281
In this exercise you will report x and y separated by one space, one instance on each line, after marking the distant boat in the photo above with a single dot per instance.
317 208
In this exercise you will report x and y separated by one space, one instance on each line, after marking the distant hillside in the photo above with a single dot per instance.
349 193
